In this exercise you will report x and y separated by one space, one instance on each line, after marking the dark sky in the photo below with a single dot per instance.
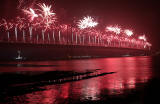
140 15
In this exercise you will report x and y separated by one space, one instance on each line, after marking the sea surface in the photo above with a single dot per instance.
134 81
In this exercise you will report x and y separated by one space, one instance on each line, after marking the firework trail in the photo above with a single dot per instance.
115 29
7 25
128 32
87 22
46 10
44 16
31 13
143 37
47 14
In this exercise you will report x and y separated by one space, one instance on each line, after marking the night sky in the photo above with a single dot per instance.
140 15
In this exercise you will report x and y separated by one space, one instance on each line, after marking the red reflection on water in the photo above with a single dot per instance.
90 90
129 72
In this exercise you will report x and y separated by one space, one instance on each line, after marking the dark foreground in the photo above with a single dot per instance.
125 80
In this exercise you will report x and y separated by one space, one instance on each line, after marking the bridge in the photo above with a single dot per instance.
68 37
59 43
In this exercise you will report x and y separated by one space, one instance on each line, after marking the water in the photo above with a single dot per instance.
126 85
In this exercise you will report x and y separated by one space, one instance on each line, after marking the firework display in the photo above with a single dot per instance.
128 32
87 22
41 27
143 37
114 29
